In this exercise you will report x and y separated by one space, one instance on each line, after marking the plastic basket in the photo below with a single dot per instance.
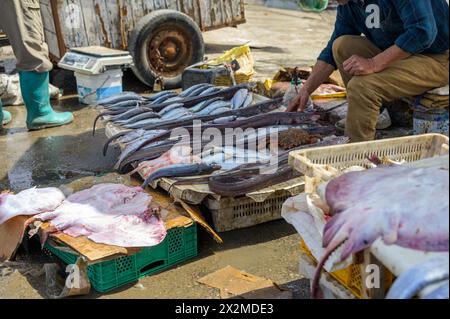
320 164
349 277
234 213
179 245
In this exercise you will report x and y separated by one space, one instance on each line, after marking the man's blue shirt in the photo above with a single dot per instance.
416 26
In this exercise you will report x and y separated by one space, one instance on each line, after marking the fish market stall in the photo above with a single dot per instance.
403 240
147 148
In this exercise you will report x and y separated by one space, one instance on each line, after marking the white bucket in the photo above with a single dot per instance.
98 86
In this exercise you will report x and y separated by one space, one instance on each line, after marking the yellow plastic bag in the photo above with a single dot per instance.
242 55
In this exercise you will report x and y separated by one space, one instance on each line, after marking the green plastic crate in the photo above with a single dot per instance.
179 245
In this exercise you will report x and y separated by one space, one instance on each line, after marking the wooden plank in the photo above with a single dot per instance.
72 23
49 28
148 6
103 21
92 24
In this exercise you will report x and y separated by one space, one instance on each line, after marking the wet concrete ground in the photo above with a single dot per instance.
50 157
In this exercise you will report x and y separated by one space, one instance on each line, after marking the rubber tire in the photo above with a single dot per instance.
145 27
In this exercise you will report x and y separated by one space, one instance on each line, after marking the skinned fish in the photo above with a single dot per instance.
112 214
391 203
29 202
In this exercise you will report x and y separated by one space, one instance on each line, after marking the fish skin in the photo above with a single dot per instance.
176 113
139 117
163 98
441 292
224 119
126 115
132 147
119 97
198 91
170 108
174 99
142 123
159 94
200 106
417 278
210 108
248 100
181 170
219 111
122 105
210 90
186 92
239 98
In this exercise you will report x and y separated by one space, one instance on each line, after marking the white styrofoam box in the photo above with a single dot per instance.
98 86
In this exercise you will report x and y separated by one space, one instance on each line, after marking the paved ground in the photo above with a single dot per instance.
278 37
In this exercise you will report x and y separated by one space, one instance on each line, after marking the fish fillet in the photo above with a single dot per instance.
29 202
111 214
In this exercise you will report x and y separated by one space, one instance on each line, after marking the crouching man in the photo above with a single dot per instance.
404 52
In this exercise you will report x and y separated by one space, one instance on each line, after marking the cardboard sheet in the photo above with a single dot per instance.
236 283
11 234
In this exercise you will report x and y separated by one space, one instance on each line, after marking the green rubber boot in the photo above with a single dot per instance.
36 96
5 116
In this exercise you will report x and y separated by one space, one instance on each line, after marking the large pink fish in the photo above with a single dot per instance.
405 206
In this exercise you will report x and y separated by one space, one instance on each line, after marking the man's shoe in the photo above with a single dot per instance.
384 122
36 96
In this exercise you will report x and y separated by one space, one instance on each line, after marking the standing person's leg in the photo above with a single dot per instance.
22 22
409 77
5 116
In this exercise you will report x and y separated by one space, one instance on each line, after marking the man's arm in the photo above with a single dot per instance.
320 73
325 63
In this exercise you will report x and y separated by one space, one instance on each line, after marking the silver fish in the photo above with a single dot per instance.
119 97
441 292
239 98
160 94
248 100
225 119
163 98
142 123
210 90
177 113
170 108
139 117
219 111
200 106
188 91
414 280
210 108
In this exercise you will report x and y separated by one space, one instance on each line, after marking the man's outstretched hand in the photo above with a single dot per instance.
300 102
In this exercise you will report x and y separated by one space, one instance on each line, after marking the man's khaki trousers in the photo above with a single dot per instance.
406 78
22 22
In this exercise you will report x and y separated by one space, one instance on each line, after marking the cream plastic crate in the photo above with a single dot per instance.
233 213
323 163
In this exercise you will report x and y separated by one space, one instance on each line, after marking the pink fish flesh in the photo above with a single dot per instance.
111 214
29 202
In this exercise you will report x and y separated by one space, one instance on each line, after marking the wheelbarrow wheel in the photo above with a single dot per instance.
163 44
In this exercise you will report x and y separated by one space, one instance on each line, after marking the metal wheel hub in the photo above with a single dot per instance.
169 51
